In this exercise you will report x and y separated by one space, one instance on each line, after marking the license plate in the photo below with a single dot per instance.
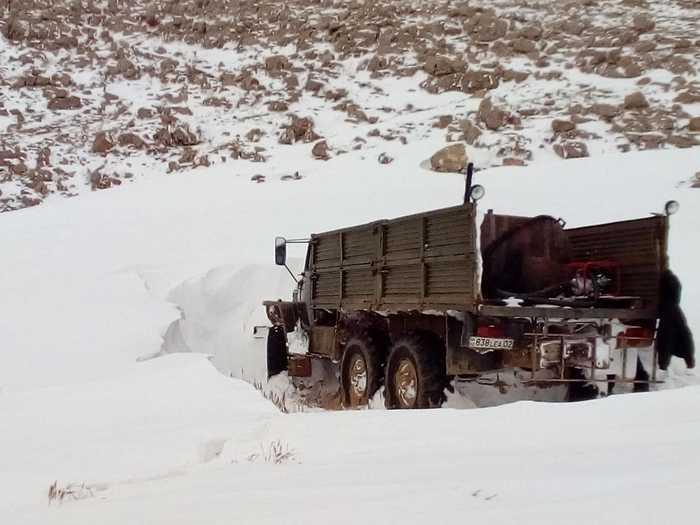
490 343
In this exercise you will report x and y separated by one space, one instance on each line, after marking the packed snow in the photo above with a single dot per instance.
119 307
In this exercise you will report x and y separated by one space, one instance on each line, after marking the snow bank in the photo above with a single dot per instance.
95 283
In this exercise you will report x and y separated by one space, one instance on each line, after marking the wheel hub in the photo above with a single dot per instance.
406 380
358 377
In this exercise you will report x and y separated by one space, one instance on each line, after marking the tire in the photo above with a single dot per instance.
361 371
276 351
415 372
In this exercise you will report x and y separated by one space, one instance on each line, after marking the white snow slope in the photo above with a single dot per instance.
90 286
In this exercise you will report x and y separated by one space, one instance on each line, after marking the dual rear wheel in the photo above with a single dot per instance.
413 374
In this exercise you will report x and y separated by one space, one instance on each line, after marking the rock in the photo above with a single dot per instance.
531 32
301 129
605 111
295 176
688 97
438 66
313 85
183 136
254 135
131 139
696 181
59 103
258 178
102 143
513 161
320 151
493 117
636 100
385 159
443 121
643 23
523 45
277 105
571 150
486 27
144 113
694 124
473 81
470 133
452 158
683 141
277 63
562 126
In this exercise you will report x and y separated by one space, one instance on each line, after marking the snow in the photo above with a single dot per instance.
96 282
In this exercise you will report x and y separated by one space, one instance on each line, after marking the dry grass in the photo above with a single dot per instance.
74 491
278 400
275 452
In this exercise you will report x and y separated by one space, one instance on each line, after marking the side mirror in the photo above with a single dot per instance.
280 251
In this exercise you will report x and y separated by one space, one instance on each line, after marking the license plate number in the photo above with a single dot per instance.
490 343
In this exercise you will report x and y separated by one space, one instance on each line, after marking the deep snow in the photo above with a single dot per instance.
91 285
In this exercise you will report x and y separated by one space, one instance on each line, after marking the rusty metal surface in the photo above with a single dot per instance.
567 313
639 246
299 366
423 261
322 341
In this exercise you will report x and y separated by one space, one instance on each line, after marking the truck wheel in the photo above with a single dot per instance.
276 351
360 371
415 372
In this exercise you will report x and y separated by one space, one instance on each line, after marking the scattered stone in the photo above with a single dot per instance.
277 105
470 132
254 135
443 121
694 125
295 176
571 150
696 181
320 151
636 100
683 141
643 24
438 66
300 130
258 178
491 116
605 111
277 63
562 126
523 45
384 158
103 143
131 139
144 113
452 158
61 102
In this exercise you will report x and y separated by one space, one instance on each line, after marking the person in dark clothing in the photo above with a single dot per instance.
673 337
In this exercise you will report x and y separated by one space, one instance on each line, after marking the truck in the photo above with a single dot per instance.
420 303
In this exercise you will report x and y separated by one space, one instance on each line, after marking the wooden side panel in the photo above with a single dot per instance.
423 261
326 252
358 246
639 246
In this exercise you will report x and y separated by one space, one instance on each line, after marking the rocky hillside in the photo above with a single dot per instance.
97 93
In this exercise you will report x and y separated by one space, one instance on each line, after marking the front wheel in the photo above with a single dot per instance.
360 371
415 372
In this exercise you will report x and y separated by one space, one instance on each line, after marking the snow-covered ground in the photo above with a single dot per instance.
92 284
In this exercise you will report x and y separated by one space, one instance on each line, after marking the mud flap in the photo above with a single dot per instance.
276 351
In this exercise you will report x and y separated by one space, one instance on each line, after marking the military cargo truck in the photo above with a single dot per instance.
414 302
